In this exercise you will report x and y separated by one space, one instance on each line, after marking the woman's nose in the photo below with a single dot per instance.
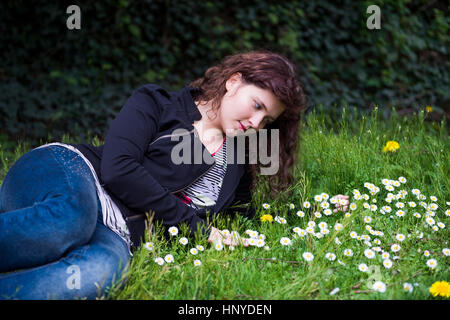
256 122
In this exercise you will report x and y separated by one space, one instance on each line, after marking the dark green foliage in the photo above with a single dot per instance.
54 80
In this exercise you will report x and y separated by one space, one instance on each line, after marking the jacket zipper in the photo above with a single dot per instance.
169 135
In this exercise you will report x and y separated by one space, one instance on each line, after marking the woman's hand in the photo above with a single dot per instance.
229 240
341 206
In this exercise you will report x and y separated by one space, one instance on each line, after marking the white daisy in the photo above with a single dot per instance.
363 267
148 246
159 261
193 251
285 241
400 237
395 247
369 253
353 206
348 252
330 256
184 241
408 287
300 213
200 247
379 286
446 252
306 204
169 258
173 231
387 263
266 206
197 263
432 263
218 246
308 256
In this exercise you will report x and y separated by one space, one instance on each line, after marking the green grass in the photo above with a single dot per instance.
336 156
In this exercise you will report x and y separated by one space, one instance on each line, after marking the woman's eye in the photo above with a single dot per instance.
257 106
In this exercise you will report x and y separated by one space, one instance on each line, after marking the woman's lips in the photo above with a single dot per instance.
242 127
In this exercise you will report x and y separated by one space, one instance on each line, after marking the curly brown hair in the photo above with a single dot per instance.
266 70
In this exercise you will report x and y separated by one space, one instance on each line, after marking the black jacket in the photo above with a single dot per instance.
134 164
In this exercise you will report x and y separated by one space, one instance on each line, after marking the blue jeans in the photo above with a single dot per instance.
53 243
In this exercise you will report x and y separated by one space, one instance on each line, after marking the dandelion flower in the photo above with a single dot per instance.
432 263
266 218
391 146
173 231
440 288
159 261
285 241
197 263
308 256
379 286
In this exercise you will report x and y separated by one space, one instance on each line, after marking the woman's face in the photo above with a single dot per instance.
246 106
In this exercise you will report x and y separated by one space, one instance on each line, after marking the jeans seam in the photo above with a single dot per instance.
62 165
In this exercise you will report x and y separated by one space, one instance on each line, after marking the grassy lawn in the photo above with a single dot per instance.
401 246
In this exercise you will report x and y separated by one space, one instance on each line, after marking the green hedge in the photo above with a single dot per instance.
54 80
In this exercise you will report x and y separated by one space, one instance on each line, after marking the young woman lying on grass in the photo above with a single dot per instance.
71 215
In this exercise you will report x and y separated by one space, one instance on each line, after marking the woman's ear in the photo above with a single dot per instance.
233 82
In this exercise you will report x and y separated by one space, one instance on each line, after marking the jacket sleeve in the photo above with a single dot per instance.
242 203
126 142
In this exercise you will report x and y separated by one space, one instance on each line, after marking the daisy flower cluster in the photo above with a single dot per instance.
381 226
169 258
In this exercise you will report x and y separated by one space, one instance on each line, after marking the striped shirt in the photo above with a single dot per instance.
204 191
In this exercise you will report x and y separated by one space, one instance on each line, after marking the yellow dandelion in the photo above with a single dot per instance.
429 109
391 146
441 288
266 218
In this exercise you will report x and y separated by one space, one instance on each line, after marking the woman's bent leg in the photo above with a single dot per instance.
49 205
86 272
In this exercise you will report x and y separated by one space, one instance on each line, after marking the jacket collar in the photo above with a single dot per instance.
187 97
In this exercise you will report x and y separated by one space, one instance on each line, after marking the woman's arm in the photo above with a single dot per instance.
127 140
